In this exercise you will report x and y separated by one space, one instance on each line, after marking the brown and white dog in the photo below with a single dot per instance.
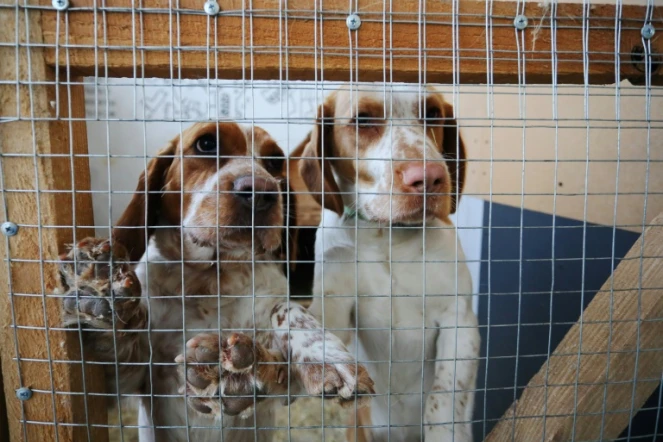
388 165
205 227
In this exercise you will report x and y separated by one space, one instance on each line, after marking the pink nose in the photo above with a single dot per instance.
418 179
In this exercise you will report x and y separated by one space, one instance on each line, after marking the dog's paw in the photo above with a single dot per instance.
98 284
319 358
336 376
229 374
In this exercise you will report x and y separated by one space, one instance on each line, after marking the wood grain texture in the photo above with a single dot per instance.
38 166
274 40
607 363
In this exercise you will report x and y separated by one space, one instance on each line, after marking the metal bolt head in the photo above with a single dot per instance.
60 5
647 31
211 7
9 228
520 22
353 22
23 393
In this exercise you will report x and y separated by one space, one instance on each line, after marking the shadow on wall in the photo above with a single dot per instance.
520 319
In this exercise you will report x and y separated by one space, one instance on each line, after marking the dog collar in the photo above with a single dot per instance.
353 214
349 213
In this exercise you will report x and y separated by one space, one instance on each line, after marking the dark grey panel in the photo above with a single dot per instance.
521 321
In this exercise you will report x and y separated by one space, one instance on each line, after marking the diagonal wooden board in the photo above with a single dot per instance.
607 365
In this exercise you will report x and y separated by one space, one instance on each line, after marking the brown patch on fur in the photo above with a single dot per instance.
315 167
364 176
454 151
362 418
372 126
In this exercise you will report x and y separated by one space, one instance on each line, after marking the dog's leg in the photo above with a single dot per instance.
229 374
319 358
450 404
102 297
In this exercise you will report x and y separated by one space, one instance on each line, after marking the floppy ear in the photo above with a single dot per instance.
454 151
290 230
138 220
315 165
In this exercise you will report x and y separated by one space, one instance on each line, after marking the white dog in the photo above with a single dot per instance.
388 167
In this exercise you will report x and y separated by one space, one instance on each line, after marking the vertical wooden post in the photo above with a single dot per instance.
38 164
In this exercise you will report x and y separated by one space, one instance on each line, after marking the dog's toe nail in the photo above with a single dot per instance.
200 407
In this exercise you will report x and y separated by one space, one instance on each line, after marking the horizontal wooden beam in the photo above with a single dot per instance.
406 40
607 365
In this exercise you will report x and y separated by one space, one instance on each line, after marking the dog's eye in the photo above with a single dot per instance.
273 164
363 120
433 113
206 144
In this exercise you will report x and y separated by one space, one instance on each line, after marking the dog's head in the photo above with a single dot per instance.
222 185
393 156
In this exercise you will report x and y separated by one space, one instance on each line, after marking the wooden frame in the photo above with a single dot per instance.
45 97
255 45
38 166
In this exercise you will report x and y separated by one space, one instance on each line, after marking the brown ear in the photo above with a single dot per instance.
315 166
290 231
454 151
138 220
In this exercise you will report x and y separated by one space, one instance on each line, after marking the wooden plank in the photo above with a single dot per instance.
4 426
38 192
569 164
607 363
296 41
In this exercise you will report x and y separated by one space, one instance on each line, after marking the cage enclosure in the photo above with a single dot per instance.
559 108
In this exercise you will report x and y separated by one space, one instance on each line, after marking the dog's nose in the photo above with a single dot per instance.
419 178
257 192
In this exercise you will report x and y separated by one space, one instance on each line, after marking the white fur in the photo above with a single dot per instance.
432 323
244 304
159 280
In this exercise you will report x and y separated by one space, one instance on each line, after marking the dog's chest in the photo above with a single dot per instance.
185 302
407 284
403 264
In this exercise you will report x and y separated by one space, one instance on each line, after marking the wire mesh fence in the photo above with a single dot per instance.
363 221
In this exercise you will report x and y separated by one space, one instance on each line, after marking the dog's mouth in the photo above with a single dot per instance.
237 239
408 210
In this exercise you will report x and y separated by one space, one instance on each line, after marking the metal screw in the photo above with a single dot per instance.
211 7
60 5
353 22
23 393
9 228
647 31
520 22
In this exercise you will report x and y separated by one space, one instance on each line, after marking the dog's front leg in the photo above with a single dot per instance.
318 358
450 403
102 298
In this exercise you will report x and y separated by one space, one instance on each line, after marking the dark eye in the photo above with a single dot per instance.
273 164
433 113
363 120
206 144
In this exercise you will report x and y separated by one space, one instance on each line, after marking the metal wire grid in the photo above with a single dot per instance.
103 115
